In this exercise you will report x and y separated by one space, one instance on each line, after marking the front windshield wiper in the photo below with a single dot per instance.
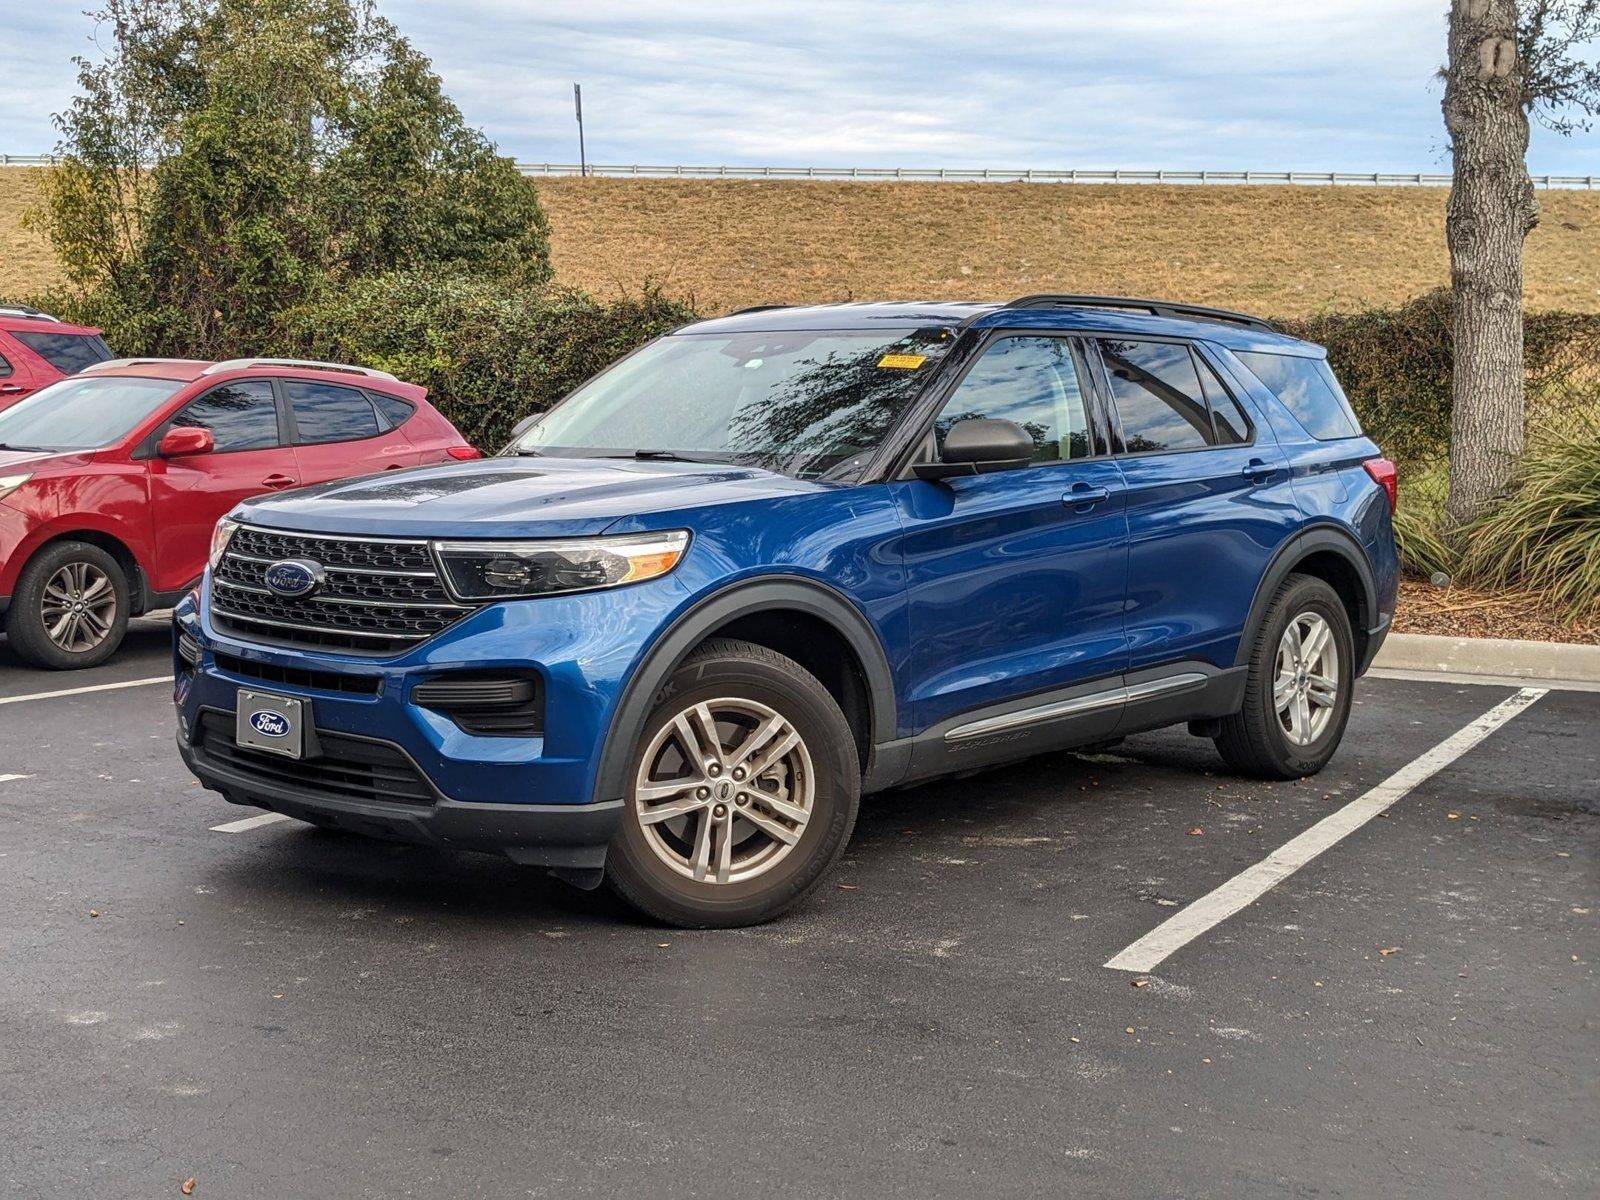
24 449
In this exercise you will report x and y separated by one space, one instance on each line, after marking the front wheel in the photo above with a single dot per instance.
70 608
1297 695
744 790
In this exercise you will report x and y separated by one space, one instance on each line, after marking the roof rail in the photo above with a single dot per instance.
739 312
1156 308
246 364
27 313
116 364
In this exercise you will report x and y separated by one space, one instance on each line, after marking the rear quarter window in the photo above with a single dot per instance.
68 353
1308 389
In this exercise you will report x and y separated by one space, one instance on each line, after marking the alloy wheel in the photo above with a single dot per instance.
725 790
79 607
1306 687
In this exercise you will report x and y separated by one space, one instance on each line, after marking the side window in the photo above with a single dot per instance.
240 416
1158 396
68 353
1308 389
5 367
326 412
1233 427
1032 381
395 413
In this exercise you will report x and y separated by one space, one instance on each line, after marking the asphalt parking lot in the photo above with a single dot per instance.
275 1011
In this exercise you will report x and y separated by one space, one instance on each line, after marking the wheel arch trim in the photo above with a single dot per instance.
764 594
1302 545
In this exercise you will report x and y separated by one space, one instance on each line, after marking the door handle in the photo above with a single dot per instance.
10 389
278 481
1083 497
1258 470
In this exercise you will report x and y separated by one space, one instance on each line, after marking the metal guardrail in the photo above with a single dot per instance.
988 174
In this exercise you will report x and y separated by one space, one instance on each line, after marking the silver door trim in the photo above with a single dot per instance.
1076 705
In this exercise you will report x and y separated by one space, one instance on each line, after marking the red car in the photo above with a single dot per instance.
36 350
111 480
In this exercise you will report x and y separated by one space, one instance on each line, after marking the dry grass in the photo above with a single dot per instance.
1287 251
26 262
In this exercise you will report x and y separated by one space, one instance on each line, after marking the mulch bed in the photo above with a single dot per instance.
1459 612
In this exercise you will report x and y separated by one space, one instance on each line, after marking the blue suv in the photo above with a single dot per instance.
771 562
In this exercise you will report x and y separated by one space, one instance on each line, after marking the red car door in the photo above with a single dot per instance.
189 494
340 432
16 377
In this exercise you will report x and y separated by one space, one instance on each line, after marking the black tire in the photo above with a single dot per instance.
1255 741
26 622
739 671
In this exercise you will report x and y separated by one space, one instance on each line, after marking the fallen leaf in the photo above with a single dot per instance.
94 912
663 945
847 887
1453 816
1388 950
1197 832
1316 983
1138 983
1129 1029
1073 1040
188 1187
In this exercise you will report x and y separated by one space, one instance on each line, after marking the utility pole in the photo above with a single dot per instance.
577 106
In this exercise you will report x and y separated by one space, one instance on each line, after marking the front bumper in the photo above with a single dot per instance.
532 798
570 836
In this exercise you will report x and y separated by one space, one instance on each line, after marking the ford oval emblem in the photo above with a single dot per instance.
270 724
293 577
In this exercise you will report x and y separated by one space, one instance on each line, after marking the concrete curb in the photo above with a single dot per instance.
1504 657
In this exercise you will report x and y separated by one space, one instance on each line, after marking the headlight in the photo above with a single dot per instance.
10 483
220 537
505 570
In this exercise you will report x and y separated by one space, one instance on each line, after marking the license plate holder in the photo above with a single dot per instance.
271 723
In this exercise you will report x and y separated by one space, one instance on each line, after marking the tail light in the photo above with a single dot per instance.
1384 475
464 453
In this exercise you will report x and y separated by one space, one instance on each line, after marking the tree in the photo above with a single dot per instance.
230 160
1509 63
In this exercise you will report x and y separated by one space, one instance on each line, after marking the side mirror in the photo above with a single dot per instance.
522 426
977 446
183 440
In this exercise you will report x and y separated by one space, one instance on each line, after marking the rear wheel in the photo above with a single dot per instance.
70 608
744 790
1297 696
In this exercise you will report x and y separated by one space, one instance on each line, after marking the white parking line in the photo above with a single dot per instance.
78 691
9 778
1254 882
250 823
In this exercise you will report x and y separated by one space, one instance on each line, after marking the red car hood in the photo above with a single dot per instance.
13 462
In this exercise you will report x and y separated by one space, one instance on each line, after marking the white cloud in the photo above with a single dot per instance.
956 83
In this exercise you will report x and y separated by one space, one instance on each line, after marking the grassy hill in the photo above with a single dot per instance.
1282 250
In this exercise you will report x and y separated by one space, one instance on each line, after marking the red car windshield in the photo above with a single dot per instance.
83 414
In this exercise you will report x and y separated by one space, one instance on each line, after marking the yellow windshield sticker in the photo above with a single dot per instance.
902 362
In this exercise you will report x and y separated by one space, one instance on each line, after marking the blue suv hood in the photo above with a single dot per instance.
513 497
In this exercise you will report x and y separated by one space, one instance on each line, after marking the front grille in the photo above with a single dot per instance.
348 768
378 596
321 681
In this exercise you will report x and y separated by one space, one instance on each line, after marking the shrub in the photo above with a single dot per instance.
1544 536
489 355
230 158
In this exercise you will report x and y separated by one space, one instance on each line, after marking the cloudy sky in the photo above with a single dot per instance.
1225 84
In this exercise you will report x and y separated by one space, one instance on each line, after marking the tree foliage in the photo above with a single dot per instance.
229 160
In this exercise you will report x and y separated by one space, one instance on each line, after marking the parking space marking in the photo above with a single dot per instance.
1251 884
9 778
249 823
79 691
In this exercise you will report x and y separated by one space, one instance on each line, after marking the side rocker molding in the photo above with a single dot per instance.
692 627
1312 540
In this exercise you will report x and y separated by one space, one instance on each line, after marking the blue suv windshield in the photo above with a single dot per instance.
806 403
